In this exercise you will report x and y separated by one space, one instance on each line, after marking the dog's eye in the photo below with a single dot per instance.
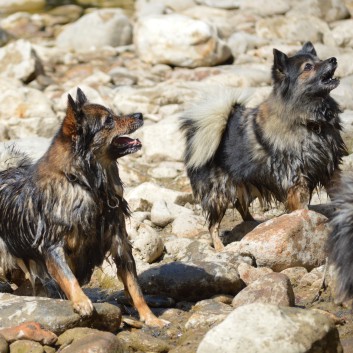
308 67
109 121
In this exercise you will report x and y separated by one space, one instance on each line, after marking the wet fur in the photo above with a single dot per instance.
340 241
283 149
63 215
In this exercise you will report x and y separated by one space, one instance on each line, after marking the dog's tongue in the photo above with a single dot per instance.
123 140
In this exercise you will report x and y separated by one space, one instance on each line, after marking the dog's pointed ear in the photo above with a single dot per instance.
279 61
69 126
309 49
81 99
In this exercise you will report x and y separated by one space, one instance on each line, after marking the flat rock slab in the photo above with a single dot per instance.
268 328
192 281
55 315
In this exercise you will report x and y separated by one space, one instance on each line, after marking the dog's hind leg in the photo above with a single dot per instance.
62 274
122 253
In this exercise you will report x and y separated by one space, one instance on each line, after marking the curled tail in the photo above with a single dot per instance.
340 242
204 123
12 157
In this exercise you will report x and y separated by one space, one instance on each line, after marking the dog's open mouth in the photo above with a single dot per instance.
328 79
123 145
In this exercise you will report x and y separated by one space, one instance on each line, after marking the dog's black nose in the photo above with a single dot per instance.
138 116
332 60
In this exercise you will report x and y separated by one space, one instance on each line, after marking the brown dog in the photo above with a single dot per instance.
62 216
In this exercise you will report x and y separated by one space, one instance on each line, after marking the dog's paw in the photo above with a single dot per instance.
83 307
153 321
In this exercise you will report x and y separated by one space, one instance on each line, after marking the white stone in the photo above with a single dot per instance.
25 112
266 8
179 40
166 169
240 42
160 214
152 192
148 243
105 27
188 225
155 7
343 33
223 4
295 28
18 60
268 328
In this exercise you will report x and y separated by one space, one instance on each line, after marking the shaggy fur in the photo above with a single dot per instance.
62 216
340 241
282 149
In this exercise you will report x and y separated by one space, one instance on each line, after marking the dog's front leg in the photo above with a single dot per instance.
62 274
126 268
298 197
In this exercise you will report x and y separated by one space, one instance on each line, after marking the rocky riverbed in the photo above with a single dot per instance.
154 57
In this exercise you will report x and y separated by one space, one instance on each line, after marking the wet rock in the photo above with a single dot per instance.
277 330
10 6
193 281
295 28
152 192
178 40
106 27
143 342
88 340
148 244
4 347
26 346
295 239
295 274
274 288
54 314
18 60
250 274
207 313
25 112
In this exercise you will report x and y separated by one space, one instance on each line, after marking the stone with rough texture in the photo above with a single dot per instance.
343 33
207 313
188 225
179 40
18 60
152 192
250 274
27 346
295 274
85 340
160 214
96 30
143 342
55 315
24 112
4 347
148 243
295 28
274 288
295 239
268 328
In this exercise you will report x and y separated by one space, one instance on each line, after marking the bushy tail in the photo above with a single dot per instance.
340 242
204 123
11 157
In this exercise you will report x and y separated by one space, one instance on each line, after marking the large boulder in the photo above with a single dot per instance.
179 41
295 239
268 328
106 27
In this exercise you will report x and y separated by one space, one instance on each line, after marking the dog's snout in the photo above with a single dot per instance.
332 60
138 116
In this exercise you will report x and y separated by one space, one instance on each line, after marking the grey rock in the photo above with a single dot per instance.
54 314
274 288
268 328
207 313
